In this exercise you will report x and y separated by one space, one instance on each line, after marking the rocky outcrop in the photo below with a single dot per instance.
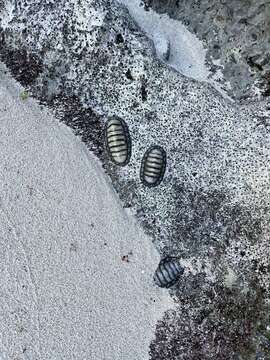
88 60
236 34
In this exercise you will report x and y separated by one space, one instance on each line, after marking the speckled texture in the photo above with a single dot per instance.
68 260
212 209
236 34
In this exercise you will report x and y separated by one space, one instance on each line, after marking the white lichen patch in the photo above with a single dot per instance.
7 14
174 44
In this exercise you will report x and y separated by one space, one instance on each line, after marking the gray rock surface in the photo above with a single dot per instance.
236 34
88 60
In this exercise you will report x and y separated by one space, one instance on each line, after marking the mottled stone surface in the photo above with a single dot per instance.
236 34
88 60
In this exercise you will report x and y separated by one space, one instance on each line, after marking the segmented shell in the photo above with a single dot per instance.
118 142
168 272
153 166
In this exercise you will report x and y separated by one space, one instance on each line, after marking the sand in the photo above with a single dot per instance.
65 291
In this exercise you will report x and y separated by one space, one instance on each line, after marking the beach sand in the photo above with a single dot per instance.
67 290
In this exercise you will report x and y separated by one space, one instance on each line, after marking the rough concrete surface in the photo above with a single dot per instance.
88 60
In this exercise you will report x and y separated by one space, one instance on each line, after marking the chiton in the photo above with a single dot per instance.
153 166
168 272
118 141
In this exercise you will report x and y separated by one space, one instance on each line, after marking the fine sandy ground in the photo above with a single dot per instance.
65 291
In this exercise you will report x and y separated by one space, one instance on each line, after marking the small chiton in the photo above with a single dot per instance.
168 272
153 166
118 141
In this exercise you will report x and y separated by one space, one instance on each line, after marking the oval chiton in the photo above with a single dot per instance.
153 166
118 141
168 272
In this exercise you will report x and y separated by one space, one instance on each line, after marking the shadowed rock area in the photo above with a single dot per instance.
236 34
88 60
